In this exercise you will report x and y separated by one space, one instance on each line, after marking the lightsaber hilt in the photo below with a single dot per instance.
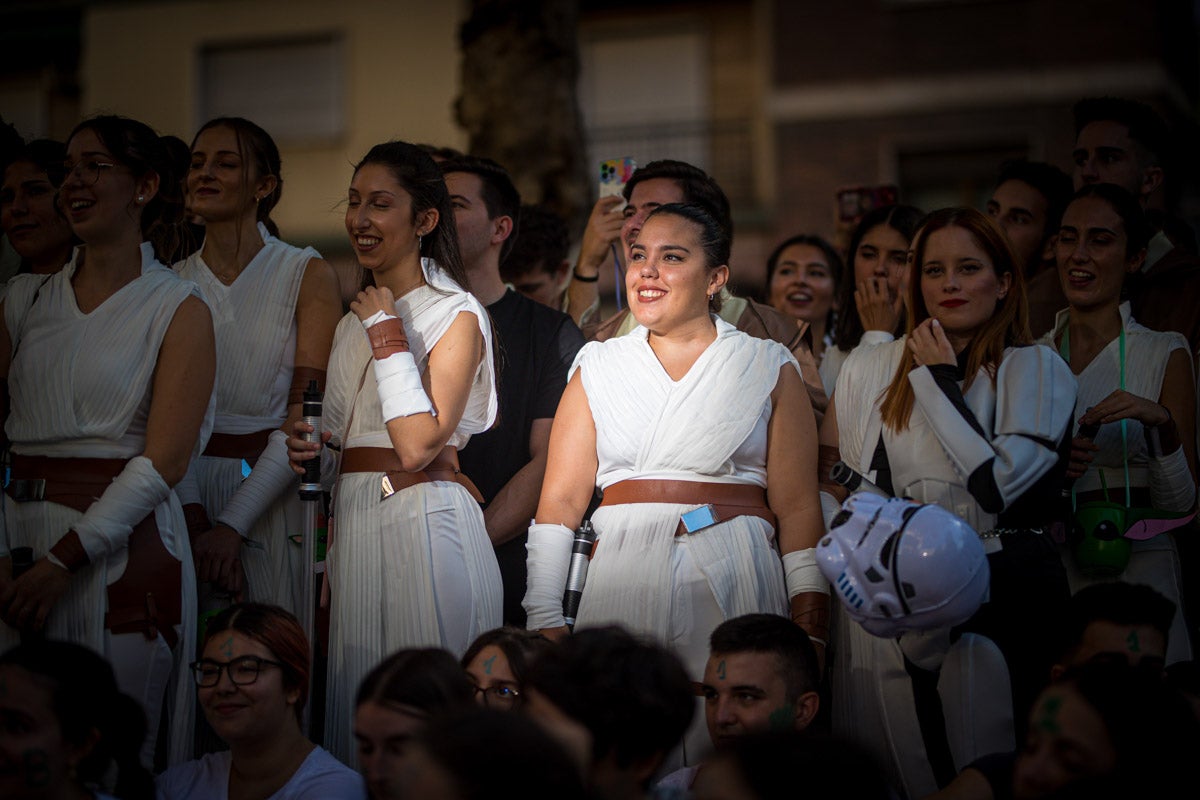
310 413
581 554
853 480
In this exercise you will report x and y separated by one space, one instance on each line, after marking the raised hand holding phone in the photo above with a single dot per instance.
601 238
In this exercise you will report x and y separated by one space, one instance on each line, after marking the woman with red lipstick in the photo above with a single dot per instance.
110 366
276 307
1135 383
964 413
702 440
803 274
411 378
29 216
252 681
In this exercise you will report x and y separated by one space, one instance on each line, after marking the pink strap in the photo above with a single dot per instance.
1145 529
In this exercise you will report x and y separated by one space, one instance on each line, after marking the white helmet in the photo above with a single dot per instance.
900 566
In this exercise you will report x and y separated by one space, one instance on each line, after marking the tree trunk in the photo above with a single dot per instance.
520 67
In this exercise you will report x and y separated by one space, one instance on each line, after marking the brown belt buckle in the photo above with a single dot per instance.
26 490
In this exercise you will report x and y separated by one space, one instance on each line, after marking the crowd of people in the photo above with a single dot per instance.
487 445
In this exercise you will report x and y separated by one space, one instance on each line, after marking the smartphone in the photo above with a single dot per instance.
853 202
699 518
614 174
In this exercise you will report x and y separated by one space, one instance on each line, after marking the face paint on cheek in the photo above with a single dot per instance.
1048 718
721 670
782 718
1131 641
228 645
487 665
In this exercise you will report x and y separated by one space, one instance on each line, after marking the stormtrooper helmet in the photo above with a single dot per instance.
902 566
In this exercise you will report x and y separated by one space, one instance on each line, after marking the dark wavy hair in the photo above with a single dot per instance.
419 175
87 702
137 146
276 629
900 218
260 158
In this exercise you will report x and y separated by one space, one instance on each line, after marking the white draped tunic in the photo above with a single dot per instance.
415 569
1155 561
81 388
254 320
709 426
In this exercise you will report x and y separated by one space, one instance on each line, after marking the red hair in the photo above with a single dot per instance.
1008 327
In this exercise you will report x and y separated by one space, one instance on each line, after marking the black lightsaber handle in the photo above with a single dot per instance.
581 554
853 480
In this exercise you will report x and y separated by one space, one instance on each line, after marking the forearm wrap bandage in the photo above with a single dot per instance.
136 492
1171 485
386 335
801 573
396 375
548 558
272 474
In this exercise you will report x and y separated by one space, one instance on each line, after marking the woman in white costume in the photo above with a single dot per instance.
110 369
274 307
962 413
1136 383
683 412
411 378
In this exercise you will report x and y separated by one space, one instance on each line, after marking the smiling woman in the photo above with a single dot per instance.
276 307
252 679
1136 385
411 378
29 215
118 420
685 414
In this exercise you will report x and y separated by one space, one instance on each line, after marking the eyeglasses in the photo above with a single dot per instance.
242 671
499 695
88 172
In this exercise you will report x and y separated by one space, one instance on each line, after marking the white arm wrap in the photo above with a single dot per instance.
801 573
272 474
376 318
400 391
1171 484
106 525
548 558
188 489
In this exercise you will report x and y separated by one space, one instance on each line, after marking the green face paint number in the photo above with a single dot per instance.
721 670
1131 641
228 645
487 665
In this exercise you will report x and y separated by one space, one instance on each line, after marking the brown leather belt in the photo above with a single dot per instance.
444 467
146 597
728 500
238 445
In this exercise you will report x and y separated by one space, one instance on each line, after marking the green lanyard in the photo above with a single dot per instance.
1064 350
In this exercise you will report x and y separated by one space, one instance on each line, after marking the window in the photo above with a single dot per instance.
294 89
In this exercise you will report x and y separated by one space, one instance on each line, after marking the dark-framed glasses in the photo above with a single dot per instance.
242 671
498 695
88 171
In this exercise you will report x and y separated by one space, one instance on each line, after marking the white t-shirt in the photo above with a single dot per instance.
320 777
